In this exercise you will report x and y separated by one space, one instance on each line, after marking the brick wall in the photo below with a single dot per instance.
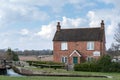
80 46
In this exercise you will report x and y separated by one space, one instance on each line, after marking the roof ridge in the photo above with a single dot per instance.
79 34
82 28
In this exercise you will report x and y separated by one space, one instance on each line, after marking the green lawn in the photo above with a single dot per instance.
115 76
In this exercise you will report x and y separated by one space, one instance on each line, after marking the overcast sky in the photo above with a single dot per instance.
31 24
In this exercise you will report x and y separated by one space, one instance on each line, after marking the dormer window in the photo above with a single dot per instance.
64 46
90 45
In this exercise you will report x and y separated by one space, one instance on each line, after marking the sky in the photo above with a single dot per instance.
31 24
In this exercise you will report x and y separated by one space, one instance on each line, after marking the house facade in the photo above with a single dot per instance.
75 45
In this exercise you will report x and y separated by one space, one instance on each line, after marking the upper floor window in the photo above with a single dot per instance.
64 46
90 45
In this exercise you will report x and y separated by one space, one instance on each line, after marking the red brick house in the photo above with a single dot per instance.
72 45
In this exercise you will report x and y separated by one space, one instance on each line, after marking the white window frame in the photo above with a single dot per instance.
89 58
96 53
90 45
64 59
64 46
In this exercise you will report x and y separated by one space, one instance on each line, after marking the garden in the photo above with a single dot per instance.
87 70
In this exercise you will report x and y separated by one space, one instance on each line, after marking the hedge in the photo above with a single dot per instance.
46 64
87 67
104 64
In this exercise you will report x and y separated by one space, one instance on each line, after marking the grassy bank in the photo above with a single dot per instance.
115 76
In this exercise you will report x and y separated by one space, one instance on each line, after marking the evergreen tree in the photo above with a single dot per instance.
11 55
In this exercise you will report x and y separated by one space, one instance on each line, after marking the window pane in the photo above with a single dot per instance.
64 46
89 58
96 53
64 59
90 45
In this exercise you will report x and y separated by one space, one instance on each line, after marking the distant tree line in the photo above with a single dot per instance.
13 54
34 52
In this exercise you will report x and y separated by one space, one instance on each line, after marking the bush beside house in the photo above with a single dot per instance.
104 64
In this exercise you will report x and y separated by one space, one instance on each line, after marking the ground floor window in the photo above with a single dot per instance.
64 59
89 59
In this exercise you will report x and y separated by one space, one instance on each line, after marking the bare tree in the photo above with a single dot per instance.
114 50
117 34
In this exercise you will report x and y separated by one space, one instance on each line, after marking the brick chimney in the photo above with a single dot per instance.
102 24
58 26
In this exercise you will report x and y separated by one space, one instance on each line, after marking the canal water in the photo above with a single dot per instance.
10 72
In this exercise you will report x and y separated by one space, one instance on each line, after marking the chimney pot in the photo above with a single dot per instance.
102 24
58 26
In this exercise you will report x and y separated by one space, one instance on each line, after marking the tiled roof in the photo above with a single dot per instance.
79 34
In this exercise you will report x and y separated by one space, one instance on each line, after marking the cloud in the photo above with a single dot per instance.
55 5
16 11
13 11
111 20
24 32
6 39
38 12
93 19
111 17
47 31
73 22
75 1
81 5
114 2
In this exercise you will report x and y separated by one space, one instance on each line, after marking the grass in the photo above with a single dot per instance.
47 70
115 76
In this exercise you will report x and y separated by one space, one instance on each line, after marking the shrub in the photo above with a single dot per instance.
46 64
87 67
114 67
104 60
104 64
